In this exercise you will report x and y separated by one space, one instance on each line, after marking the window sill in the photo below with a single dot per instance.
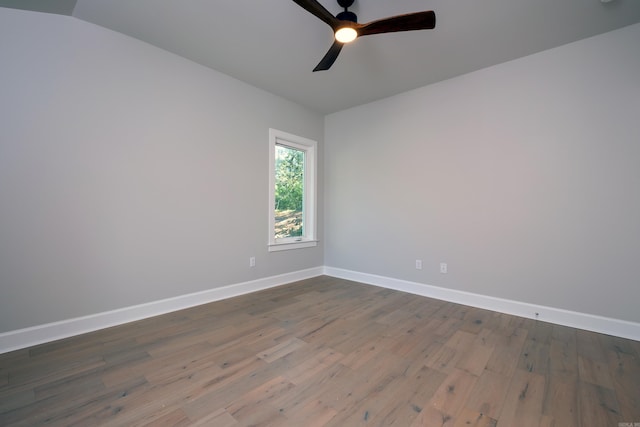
274 247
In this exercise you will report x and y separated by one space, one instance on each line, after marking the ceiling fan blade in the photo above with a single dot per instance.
315 8
408 22
327 61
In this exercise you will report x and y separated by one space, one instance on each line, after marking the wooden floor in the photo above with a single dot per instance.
326 352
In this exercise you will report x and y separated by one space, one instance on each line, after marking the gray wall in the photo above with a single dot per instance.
128 174
523 177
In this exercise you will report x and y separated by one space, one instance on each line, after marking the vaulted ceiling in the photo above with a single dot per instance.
274 45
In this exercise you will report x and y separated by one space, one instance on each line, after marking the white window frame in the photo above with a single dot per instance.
309 146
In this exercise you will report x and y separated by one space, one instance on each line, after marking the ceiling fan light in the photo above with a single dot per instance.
346 34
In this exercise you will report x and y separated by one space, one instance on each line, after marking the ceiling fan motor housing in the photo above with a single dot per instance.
347 16
346 27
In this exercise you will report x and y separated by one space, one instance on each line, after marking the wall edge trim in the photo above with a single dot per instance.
590 322
40 334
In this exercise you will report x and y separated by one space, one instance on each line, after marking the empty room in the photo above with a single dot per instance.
320 213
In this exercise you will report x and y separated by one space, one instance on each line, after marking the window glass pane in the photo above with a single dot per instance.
289 191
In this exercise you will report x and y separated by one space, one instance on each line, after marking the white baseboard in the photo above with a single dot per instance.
589 322
22 338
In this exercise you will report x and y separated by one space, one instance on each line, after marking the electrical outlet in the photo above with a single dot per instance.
418 264
443 267
252 261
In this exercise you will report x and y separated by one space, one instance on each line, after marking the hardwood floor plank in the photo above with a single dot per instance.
510 344
325 388
625 376
470 418
315 365
598 406
561 401
310 413
448 401
218 418
488 394
281 350
452 352
223 388
594 372
326 352
172 418
563 357
247 405
408 400
535 353
524 400
476 358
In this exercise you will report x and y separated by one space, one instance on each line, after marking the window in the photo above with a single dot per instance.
292 191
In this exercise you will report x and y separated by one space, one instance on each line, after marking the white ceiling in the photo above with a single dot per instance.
274 45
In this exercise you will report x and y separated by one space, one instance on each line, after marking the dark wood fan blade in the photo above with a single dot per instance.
327 61
408 22
315 8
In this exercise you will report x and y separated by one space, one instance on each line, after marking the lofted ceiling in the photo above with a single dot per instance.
274 45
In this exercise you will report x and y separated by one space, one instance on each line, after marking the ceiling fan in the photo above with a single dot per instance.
346 27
